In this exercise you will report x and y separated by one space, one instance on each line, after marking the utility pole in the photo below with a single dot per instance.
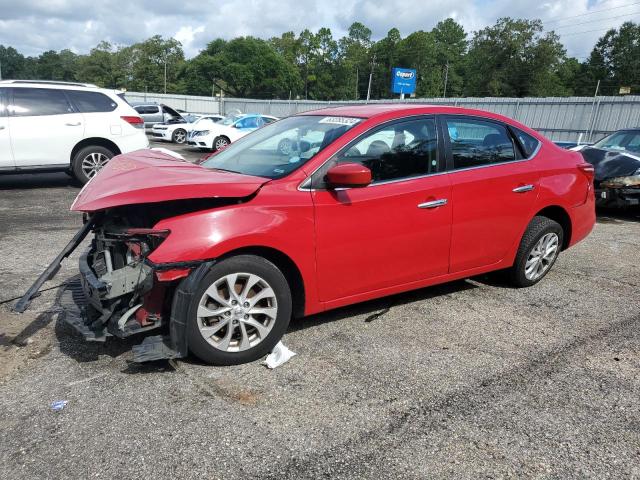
589 129
165 74
446 78
373 64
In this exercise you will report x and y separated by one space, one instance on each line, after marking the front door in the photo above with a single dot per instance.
493 191
396 230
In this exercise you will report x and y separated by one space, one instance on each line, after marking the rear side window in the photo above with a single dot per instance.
527 142
268 120
28 102
147 109
477 142
87 102
399 150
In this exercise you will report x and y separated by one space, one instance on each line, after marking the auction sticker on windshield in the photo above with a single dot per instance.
340 120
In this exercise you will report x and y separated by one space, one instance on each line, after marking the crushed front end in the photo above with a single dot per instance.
125 293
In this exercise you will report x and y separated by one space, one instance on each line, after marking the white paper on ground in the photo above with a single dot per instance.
279 355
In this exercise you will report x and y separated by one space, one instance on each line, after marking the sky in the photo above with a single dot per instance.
34 26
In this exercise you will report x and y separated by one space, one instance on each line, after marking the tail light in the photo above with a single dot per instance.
588 170
134 121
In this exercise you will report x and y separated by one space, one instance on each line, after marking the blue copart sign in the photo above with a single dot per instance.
404 80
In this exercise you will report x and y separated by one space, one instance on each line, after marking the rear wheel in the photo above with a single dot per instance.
89 161
179 136
220 142
239 312
538 251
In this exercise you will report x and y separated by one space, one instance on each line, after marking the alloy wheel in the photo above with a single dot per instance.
180 136
542 256
221 143
237 312
93 163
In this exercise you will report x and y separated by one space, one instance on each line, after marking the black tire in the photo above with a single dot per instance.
221 142
93 150
179 136
240 264
539 227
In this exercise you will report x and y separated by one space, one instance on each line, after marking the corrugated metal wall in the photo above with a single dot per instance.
187 103
561 119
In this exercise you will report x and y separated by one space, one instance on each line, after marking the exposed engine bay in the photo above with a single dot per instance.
125 293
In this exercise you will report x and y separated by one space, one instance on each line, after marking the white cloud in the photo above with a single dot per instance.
34 26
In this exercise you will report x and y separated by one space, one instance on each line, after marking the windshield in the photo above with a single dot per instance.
282 147
625 141
229 120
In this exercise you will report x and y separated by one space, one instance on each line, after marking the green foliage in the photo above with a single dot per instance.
514 57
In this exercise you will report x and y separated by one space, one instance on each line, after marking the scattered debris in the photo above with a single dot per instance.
279 355
58 405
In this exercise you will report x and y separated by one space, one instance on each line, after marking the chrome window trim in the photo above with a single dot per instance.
303 188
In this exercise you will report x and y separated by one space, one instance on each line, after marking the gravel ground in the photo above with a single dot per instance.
465 380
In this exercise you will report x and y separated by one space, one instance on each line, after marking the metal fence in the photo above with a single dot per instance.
559 118
188 103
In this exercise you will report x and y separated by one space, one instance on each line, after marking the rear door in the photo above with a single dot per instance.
6 156
44 127
494 188
396 230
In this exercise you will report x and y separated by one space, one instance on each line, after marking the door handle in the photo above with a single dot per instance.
1 127
523 188
433 203
77 124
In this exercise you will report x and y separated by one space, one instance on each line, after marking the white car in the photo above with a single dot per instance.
73 127
176 131
232 128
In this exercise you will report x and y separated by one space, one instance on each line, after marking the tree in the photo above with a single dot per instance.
11 62
614 60
52 65
247 67
144 64
451 47
514 58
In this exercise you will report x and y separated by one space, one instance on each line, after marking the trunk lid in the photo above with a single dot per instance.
609 163
148 176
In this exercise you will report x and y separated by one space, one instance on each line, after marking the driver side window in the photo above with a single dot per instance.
399 150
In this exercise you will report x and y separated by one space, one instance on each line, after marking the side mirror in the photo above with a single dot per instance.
351 175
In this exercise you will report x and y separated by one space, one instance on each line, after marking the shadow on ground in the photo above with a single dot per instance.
26 181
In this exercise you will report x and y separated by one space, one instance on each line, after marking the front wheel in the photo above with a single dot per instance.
220 142
239 311
179 136
89 161
538 251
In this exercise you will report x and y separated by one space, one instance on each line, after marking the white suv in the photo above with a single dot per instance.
74 127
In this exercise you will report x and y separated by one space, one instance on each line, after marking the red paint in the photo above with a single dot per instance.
349 175
171 275
148 176
357 244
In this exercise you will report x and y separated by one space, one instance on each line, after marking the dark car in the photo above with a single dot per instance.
616 159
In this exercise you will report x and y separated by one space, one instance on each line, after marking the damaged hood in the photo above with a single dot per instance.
610 163
148 176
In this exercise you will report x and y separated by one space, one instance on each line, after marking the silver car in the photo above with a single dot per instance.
153 113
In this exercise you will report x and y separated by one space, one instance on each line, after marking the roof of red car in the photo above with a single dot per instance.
373 109
392 110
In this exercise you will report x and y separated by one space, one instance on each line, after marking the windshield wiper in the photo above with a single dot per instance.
225 170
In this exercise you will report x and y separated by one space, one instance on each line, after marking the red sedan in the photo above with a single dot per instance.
317 211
